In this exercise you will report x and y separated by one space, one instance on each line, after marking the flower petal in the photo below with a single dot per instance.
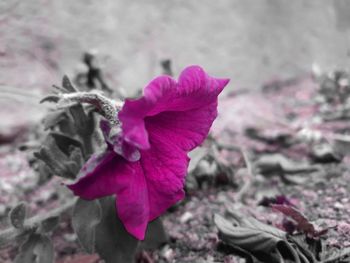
125 149
115 176
134 111
132 202
194 89
165 167
186 129
186 109
97 177
106 129
116 143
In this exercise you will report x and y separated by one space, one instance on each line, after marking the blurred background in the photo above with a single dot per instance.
250 42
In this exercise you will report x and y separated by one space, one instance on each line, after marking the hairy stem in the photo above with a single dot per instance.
108 107
11 234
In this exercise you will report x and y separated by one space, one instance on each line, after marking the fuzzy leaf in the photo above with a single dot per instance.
78 114
18 215
67 126
155 235
43 250
66 83
26 251
49 224
36 249
86 216
64 142
50 98
54 161
53 156
53 118
85 124
76 156
113 243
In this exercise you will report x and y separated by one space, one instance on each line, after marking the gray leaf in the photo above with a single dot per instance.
66 83
49 224
113 243
26 252
43 250
336 255
86 216
257 238
18 215
155 235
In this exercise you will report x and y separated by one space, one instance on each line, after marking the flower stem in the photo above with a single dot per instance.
11 234
108 107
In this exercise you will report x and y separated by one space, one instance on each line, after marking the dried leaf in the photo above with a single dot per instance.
257 239
302 223
253 235
277 163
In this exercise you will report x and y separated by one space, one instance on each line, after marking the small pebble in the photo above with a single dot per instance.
167 253
338 205
186 217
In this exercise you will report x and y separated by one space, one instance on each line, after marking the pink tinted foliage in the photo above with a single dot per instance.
302 224
169 120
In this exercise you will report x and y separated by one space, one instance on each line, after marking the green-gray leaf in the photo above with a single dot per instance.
18 215
43 250
37 249
26 252
113 243
155 235
255 237
86 216
49 224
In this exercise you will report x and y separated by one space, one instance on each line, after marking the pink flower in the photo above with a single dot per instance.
145 165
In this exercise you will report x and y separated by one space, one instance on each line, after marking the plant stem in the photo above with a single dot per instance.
11 234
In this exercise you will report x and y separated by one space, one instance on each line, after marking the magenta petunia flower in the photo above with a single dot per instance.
145 164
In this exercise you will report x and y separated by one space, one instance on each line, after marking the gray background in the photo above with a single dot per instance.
249 41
